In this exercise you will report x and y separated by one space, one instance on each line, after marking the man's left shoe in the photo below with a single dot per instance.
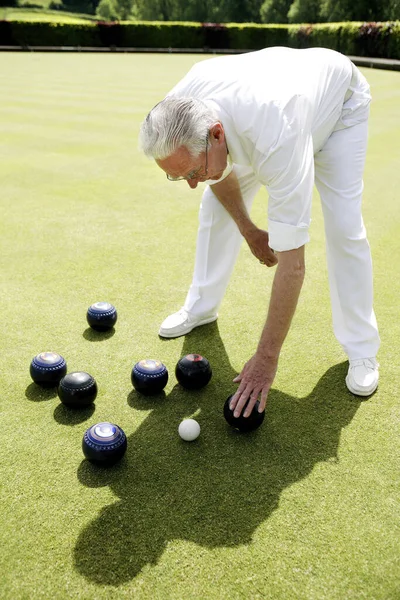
363 376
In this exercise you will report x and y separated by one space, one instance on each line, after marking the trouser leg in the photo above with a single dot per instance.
218 245
339 170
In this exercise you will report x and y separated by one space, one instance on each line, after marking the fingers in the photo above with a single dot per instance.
263 400
240 375
239 401
254 380
273 261
249 404
246 396
270 259
258 243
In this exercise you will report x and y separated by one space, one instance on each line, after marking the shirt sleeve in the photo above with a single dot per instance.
283 160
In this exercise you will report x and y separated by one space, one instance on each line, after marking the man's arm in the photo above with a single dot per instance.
229 194
259 372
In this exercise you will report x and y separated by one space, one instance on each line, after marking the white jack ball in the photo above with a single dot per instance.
189 430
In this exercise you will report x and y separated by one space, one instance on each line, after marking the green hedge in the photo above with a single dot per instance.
255 37
360 39
34 33
151 35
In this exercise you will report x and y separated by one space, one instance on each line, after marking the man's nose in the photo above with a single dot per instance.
192 183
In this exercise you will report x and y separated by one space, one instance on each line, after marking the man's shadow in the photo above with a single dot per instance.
217 490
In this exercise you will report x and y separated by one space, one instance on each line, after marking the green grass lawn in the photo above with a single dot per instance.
307 507
43 15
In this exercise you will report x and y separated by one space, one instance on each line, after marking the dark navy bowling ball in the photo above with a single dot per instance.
101 316
193 371
243 423
48 368
149 376
104 443
77 389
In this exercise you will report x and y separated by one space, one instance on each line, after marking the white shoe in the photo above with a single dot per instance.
363 376
183 322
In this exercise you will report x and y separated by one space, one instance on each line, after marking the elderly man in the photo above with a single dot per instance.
283 119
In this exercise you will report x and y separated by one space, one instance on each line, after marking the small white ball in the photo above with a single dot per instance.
189 430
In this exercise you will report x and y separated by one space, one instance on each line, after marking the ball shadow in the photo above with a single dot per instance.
37 393
143 402
217 491
96 476
72 416
98 336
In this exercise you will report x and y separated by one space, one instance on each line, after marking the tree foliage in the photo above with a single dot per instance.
115 10
199 10
359 10
247 11
304 11
275 11
317 11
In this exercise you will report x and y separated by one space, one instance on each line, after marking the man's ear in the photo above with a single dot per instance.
217 132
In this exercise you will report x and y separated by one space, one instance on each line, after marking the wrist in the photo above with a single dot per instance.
247 228
268 353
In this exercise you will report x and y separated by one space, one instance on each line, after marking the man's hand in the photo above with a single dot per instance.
255 378
229 194
258 241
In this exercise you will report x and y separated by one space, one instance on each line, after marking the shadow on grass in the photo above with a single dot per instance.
217 490
72 416
98 336
37 393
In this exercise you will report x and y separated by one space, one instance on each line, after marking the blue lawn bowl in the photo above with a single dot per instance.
149 376
48 368
101 316
104 443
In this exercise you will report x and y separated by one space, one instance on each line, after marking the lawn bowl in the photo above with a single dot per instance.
149 376
193 371
101 316
77 389
104 443
48 368
243 424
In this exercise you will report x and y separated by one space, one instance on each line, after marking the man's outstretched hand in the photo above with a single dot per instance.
254 380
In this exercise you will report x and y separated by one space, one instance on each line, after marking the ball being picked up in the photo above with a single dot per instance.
189 430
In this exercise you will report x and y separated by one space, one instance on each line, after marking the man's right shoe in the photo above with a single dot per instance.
363 376
182 322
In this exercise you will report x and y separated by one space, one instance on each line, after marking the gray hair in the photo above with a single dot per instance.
176 122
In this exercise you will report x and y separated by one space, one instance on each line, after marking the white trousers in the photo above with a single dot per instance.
339 167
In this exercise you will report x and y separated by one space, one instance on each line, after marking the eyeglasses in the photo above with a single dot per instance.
193 174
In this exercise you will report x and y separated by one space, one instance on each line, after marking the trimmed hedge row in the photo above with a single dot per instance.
379 40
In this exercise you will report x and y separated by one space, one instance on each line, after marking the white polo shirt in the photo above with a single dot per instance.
278 106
